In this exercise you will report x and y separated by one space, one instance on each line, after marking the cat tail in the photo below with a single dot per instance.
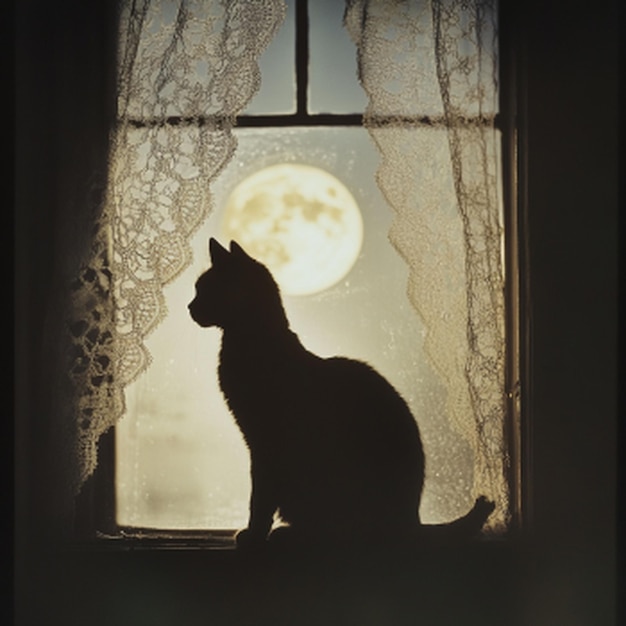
462 529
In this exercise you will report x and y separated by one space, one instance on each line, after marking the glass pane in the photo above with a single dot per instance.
277 94
181 461
333 83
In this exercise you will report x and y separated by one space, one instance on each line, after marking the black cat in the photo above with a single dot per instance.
334 449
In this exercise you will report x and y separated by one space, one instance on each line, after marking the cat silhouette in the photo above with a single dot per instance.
334 449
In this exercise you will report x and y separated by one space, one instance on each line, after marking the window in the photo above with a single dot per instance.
180 462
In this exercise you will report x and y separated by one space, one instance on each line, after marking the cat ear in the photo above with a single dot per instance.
238 251
218 253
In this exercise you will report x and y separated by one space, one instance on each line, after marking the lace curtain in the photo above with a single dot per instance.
185 70
430 72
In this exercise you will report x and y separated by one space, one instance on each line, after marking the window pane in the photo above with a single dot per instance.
277 94
181 461
333 83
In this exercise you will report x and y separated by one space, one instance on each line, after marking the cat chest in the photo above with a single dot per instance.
267 390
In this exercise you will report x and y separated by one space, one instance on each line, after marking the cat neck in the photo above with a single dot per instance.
259 330
270 345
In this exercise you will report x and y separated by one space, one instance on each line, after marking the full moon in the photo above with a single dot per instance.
299 221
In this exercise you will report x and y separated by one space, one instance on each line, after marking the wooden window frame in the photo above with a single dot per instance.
96 505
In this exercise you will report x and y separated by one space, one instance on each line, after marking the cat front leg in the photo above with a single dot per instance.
262 507
258 529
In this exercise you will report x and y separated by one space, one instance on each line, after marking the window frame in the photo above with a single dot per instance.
96 505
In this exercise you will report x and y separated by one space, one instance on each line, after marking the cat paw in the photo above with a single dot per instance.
250 540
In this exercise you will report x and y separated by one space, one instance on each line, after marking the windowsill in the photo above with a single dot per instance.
154 539
223 541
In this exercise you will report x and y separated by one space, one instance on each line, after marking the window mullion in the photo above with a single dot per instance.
302 57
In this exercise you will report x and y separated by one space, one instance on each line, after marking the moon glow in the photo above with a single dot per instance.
298 220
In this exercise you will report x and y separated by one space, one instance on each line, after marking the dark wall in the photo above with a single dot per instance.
65 69
562 572
572 168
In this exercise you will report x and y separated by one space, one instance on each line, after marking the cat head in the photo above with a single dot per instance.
237 290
